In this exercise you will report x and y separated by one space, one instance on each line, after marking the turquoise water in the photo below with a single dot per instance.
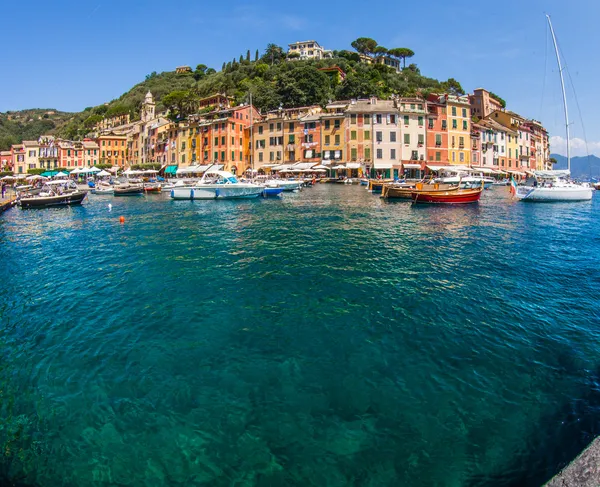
327 339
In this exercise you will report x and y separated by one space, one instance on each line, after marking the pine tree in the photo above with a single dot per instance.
241 59
224 66
248 55
256 56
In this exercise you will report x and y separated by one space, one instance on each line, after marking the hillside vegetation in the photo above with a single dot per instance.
274 79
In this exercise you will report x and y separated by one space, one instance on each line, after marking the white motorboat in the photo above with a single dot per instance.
554 185
217 185
180 183
103 189
286 184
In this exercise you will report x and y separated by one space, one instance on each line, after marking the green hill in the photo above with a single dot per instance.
272 79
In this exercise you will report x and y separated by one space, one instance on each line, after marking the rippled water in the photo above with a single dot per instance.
327 339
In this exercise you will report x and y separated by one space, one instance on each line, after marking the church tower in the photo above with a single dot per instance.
148 108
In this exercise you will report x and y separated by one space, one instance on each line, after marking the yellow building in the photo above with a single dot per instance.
511 121
459 129
113 149
333 133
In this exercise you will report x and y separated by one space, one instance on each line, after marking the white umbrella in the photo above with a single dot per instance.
319 166
103 173
341 166
8 178
61 175
114 169
95 169
84 170
320 170
75 171
34 177
150 171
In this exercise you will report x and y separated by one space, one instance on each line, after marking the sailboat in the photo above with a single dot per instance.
555 185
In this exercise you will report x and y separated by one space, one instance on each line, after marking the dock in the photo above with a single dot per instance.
584 471
8 202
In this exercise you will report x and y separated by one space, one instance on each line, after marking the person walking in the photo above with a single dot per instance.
3 190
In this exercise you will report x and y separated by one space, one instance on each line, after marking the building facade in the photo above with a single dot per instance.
309 50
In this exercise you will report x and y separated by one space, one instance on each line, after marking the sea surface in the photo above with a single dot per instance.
326 339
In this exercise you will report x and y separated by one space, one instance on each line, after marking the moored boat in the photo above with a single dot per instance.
217 185
404 191
455 196
152 187
376 185
271 192
53 193
129 190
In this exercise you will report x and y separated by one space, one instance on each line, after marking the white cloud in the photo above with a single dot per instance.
558 145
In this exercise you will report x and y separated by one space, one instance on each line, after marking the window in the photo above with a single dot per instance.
216 156
407 138
367 135
464 112
353 119
271 126
260 157
260 130
392 118
420 121
222 155
454 123
206 155
183 158
430 123
271 156
367 118
454 111
327 139
353 135
337 140
393 154
461 156
438 156
509 152
379 153
461 141
336 124
421 139
444 124
291 125
379 136
414 155
279 155
377 118
232 141
232 156
216 140
438 140
278 126
223 140
454 157
291 139
368 153
453 141
405 119
465 125
412 106
353 154
392 136
327 124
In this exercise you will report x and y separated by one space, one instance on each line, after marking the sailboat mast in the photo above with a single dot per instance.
251 137
562 83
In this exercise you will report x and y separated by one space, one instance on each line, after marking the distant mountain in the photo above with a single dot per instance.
582 167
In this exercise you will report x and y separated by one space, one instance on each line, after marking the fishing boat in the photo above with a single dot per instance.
129 190
454 196
53 193
216 184
404 191
552 186
103 189
376 185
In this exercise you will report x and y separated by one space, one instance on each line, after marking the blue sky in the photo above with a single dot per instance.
72 54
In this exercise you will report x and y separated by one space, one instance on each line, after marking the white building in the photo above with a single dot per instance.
412 113
309 50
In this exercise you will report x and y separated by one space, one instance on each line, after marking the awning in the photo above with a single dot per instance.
411 166
485 170
382 165
341 166
171 169
303 165
436 168
216 167
353 165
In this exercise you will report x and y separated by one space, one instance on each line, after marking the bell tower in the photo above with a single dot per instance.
148 108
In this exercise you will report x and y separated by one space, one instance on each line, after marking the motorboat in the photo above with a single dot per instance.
53 193
180 183
128 189
501 182
288 185
103 189
453 196
271 192
217 184
551 186
152 187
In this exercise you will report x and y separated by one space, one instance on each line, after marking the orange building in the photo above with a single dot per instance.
437 132
113 149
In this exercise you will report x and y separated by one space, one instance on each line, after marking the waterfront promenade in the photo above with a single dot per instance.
584 471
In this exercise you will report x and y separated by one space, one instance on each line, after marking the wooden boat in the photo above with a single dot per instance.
53 193
152 188
376 185
129 190
405 191
453 196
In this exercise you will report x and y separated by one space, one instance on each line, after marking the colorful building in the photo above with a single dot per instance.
91 153
31 149
113 149
459 129
309 50
6 161
359 134
18 158
483 103
70 154
333 133
437 131
413 132
386 136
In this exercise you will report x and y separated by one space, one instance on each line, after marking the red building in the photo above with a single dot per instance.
437 132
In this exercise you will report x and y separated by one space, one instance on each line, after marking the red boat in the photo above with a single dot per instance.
152 188
459 196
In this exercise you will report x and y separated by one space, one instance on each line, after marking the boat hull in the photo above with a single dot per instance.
131 191
554 194
450 197
75 198
272 192
217 192
405 192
